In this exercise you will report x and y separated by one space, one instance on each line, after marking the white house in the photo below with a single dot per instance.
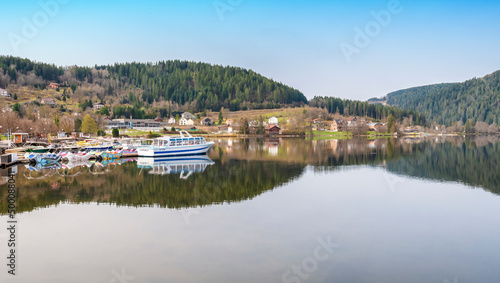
183 121
273 120
171 121
98 106
190 122
48 101
3 92
187 115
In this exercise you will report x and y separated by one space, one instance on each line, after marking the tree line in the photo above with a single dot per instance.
348 107
476 100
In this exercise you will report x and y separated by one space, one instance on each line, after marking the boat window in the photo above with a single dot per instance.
172 143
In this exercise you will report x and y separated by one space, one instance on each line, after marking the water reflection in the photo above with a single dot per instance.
175 165
240 169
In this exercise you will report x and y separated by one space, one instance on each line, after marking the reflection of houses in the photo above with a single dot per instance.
272 146
272 129
337 125
206 122
188 115
225 129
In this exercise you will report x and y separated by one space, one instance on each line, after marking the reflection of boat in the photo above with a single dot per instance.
175 164
176 145
39 166
43 158
80 156
111 154
77 163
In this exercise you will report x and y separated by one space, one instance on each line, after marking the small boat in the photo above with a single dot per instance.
112 154
176 145
38 150
106 155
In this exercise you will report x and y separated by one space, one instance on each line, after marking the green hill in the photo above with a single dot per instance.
477 99
199 85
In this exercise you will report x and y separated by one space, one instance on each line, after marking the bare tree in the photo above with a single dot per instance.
481 127
67 124
492 129
357 129
10 120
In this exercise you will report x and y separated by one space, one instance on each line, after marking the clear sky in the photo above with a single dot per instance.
348 49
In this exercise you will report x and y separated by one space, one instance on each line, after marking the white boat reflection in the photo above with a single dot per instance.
183 165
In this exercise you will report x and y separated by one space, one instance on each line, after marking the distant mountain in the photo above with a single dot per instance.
477 99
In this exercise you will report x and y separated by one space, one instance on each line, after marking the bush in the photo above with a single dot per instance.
152 135
116 133
101 133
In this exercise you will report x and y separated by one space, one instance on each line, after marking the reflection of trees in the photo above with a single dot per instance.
473 162
229 182
247 168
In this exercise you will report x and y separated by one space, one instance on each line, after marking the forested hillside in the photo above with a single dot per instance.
348 107
200 86
477 99
210 86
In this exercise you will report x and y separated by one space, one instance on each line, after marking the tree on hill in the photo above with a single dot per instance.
89 125
391 124
221 118
16 107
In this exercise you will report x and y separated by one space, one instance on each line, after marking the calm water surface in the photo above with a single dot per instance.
266 211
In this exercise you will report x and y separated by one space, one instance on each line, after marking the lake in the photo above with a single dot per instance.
270 210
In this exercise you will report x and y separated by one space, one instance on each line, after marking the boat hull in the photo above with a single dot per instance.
174 151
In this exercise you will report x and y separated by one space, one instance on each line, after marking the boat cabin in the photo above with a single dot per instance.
179 141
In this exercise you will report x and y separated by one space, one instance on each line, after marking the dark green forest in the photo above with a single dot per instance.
477 100
210 86
348 107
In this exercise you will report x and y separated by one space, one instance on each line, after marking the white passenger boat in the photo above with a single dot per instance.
185 144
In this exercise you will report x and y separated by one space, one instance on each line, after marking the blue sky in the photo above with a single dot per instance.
295 42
